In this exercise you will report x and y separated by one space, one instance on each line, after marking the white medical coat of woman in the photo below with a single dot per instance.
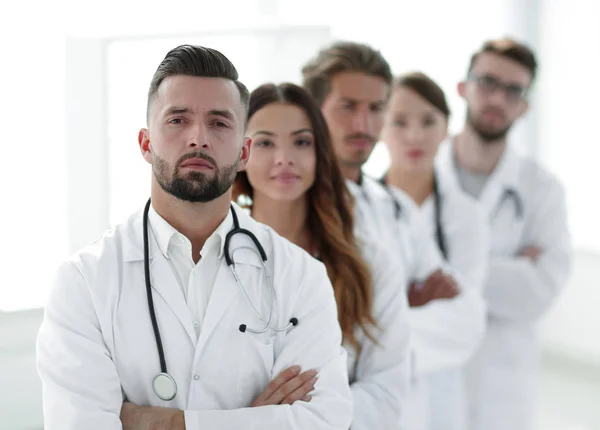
444 334
380 375
96 346
502 376
459 323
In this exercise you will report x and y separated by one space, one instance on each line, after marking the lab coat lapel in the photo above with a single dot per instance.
502 178
165 283
162 279
445 169
225 290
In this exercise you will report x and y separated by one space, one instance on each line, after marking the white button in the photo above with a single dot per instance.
196 377
196 324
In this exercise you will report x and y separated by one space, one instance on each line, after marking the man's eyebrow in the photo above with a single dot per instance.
225 113
176 110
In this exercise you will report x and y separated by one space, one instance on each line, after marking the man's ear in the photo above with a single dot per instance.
460 89
245 153
144 142
523 109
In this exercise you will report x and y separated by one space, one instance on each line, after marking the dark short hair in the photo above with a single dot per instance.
511 49
191 60
342 57
425 87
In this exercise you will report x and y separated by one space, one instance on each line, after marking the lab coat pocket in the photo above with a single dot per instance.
255 366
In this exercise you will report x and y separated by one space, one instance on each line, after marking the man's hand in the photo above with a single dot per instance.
289 387
531 252
134 417
438 286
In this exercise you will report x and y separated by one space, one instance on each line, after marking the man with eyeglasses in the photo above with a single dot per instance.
531 248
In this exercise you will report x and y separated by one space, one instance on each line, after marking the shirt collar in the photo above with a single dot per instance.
506 171
165 233
221 232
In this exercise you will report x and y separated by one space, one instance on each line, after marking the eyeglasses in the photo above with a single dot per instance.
489 84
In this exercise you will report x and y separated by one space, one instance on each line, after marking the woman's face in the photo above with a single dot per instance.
282 163
413 130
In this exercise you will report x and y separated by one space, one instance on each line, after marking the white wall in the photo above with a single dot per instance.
86 140
20 393
572 328
568 111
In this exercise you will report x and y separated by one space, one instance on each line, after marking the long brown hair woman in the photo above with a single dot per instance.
292 183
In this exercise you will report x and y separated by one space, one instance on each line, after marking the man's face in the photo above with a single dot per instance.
495 93
195 137
354 111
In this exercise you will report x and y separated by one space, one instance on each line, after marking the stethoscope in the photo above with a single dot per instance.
163 384
439 230
509 193
512 194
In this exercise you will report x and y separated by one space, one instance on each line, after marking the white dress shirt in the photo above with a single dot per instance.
195 279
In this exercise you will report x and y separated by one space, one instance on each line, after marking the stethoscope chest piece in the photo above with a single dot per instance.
164 386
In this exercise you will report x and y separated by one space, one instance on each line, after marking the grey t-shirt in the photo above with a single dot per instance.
472 183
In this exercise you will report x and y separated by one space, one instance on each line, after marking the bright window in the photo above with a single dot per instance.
569 110
32 177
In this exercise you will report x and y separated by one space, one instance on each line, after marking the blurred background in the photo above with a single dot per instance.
74 77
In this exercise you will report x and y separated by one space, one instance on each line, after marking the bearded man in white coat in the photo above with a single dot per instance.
152 326
531 247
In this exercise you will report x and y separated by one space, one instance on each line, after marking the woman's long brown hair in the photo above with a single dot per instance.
329 217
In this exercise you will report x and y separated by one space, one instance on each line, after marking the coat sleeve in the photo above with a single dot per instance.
519 289
315 343
381 380
80 384
426 254
446 333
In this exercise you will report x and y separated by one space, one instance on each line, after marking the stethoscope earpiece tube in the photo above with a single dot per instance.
159 346
439 231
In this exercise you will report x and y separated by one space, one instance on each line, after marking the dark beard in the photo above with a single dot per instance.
194 186
487 136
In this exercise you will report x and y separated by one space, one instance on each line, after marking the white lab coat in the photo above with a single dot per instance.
380 377
502 375
96 345
375 218
444 334
458 323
